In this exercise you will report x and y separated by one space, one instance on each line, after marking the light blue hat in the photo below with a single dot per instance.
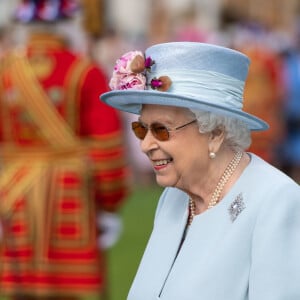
197 76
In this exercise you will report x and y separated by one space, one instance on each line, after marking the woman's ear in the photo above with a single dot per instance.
216 139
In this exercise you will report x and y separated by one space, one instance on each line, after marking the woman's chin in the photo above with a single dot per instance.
164 182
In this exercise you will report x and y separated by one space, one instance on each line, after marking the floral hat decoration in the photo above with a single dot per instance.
198 76
130 72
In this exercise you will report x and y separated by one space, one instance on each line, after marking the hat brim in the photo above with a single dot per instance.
132 101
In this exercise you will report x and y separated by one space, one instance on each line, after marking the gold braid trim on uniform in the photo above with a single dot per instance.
73 79
18 173
53 126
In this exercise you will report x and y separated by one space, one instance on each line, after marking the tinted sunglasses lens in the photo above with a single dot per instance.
160 131
139 130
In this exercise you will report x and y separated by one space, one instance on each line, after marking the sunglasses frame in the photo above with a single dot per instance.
155 131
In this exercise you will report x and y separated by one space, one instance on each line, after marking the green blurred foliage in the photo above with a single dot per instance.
124 258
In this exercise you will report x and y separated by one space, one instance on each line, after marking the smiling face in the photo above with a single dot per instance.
182 160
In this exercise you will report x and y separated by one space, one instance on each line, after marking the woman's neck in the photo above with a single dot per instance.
223 172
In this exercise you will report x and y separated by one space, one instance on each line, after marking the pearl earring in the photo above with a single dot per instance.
212 155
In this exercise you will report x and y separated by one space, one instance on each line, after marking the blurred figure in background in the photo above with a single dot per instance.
5 40
263 92
264 97
187 28
5 44
291 62
159 29
64 173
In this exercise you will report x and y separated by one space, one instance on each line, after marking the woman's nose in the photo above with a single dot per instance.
149 142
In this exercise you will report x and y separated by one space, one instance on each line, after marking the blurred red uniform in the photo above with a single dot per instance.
63 163
263 97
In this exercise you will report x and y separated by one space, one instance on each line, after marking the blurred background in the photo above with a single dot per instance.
267 31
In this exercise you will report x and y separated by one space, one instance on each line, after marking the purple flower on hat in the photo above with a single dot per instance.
149 63
162 83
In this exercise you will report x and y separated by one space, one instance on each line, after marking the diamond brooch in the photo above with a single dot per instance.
236 207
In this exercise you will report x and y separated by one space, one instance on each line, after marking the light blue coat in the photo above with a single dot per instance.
254 257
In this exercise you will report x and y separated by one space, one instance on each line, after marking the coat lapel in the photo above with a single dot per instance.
165 240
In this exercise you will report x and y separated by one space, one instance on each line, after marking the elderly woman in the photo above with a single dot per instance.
227 225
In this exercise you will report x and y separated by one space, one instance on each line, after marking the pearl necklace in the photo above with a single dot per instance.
192 213
225 177
219 188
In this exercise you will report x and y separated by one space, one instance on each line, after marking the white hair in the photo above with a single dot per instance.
237 133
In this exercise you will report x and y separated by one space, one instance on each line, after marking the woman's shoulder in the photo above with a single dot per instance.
265 175
267 186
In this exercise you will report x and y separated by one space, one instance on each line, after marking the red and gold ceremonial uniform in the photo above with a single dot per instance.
62 161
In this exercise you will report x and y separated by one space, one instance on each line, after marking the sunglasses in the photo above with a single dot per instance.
158 130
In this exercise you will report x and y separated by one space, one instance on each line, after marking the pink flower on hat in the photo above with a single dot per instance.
123 64
128 81
129 71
